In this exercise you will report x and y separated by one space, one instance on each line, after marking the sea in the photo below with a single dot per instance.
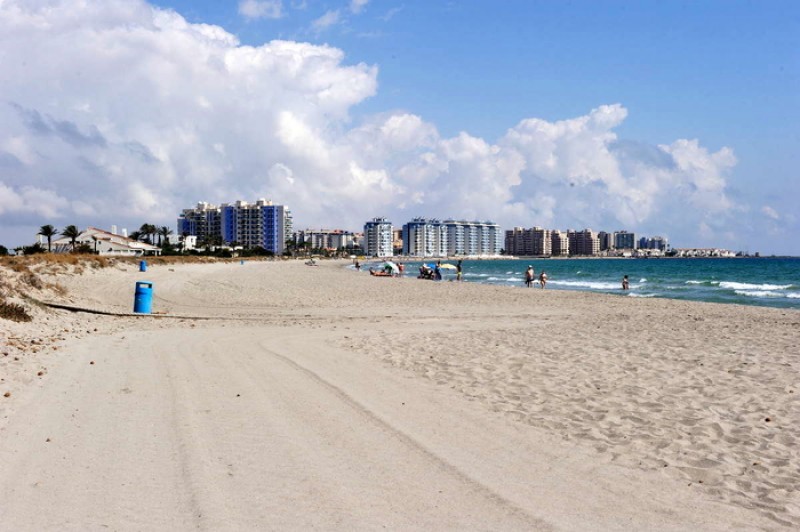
766 281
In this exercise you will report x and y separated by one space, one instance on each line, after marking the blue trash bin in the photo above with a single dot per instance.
142 265
143 297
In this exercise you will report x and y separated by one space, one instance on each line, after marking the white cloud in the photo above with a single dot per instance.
121 113
389 15
330 18
357 5
256 9
770 212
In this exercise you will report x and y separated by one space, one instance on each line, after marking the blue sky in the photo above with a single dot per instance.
715 70
723 74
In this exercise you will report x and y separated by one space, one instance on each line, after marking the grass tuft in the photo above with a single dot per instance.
14 312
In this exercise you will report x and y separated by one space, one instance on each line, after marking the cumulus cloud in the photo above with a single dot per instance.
119 112
256 9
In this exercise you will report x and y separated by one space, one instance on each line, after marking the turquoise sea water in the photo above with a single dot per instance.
773 282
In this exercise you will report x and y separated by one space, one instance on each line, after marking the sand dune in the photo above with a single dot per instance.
324 398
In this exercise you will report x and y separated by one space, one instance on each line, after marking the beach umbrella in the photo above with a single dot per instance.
389 265
447 267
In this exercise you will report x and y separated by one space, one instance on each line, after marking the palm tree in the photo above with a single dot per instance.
72 233
135 235
148 231
48 231
165 232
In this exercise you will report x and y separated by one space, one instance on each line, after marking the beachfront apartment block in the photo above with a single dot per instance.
585 242
560 243
540 242
537 241
529 242
545 243
655 242
606 241
378 234
425 238
259 224
625 240
518 241
434 238
330 239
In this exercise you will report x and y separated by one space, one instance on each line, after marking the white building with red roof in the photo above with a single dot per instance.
106 243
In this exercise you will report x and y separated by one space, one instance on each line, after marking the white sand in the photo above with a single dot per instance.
322 398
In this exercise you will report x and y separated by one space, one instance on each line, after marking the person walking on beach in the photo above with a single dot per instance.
458 271
437 272
542 279
625 284
529 273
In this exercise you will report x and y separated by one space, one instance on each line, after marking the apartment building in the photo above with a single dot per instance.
425 238
625 240
606 241
559 243
433 238
656 242
203 221
378 238
519 241
527 242
331 239
584 242
542 242
259 224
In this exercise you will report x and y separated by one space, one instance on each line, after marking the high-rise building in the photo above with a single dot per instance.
433 238
560 243
625 240
473 238
203 221
515 242
425 238
259 224
527 242
330 239
378 238
606 240
583 242
542 242
656 242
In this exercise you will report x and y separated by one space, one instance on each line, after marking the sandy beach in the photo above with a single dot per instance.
278 396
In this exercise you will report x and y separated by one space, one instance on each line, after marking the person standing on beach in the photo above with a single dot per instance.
625 284
542 279
529 273
458 271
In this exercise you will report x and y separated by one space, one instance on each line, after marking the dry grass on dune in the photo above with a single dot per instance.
56 261
22 276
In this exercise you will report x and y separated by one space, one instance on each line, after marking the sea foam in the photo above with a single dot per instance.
748 286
